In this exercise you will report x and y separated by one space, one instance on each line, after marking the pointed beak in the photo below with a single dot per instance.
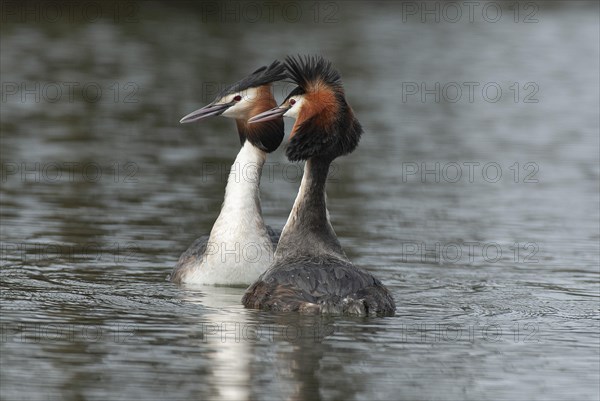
206 111
269 114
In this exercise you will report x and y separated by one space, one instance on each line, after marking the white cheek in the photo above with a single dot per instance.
238 110
231 112
251 94
241 108
293 112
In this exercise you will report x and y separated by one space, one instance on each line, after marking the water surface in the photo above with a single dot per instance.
479 213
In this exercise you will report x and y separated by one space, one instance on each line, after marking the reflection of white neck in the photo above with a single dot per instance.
230 340
239 248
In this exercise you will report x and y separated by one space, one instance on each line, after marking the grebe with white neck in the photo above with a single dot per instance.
311 273
240 246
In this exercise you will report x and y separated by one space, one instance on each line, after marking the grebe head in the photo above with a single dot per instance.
325 123
250 96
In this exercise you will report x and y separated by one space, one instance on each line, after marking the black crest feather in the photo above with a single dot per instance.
262 76
308 69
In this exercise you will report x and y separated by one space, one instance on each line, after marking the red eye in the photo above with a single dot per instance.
237 98
292 102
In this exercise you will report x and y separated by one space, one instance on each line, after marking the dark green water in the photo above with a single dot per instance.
473 196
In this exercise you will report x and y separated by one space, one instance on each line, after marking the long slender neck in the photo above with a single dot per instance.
308 231
242 194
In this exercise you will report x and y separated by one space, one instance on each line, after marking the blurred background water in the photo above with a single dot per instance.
473 196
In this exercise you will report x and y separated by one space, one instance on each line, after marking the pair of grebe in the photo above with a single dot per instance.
303 268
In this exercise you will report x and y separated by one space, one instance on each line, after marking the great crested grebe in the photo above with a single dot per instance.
240 247
310 272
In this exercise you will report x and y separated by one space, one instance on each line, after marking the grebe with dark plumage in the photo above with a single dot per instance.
217 258
311 273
